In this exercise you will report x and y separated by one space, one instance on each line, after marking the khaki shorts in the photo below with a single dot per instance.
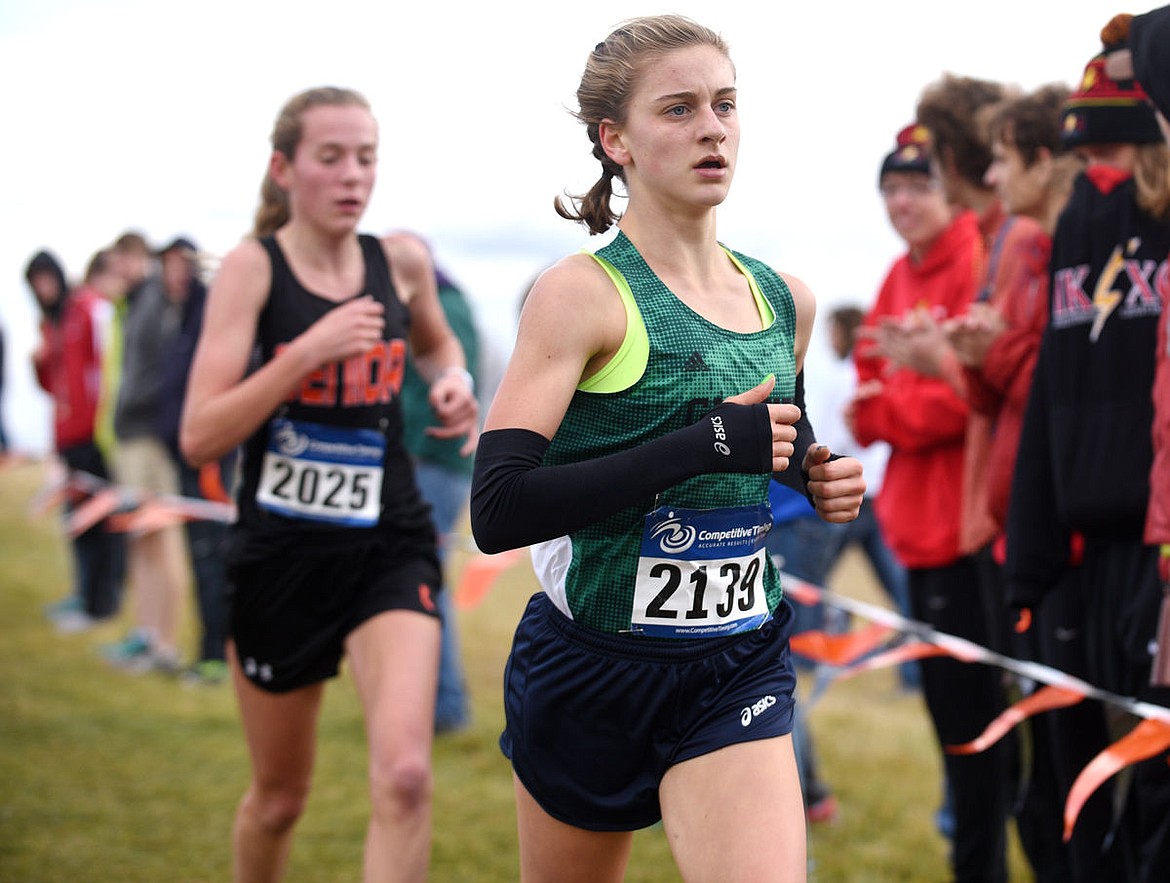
144 464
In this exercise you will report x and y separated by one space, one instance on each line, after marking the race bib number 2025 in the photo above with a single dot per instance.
322 473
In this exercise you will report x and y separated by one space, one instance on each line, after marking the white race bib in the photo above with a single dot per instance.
322 473
701 572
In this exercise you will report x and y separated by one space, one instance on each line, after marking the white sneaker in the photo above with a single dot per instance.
73 622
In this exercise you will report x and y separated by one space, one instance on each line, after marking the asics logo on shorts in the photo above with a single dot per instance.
751 713
673 537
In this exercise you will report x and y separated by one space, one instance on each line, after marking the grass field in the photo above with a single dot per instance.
112 778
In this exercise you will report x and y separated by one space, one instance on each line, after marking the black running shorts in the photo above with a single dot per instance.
292 611
594 720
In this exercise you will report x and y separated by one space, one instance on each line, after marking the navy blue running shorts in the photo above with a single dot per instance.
292 611
594 720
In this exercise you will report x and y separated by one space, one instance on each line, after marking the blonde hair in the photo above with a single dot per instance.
610 76
1151 175
273 212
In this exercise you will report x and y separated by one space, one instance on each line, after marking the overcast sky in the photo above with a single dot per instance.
123 114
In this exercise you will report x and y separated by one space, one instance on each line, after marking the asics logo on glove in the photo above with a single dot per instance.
720 435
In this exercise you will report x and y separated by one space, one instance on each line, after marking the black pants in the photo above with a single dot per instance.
206 541
962 699
99 554
1064 741
1121 594
1035 796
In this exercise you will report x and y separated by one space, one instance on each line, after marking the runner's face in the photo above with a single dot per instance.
681 136
331 176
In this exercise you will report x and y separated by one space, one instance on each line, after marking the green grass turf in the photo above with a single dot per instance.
112 777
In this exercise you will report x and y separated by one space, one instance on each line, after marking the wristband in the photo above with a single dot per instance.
463 372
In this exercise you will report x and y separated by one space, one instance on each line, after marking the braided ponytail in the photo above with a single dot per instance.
611 73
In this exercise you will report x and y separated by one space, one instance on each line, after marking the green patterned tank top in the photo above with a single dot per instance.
692 366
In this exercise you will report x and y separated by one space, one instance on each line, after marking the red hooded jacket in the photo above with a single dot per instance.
922 418
69 366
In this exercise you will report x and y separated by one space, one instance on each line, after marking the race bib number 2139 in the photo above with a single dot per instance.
701 572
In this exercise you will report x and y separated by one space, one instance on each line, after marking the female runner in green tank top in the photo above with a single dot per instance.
651 395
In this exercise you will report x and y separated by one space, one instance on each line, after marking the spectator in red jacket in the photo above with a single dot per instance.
920 506
68 365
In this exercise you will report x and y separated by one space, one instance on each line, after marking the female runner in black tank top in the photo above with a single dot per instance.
329 556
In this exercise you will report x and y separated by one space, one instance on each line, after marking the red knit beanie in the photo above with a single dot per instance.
1106 111
911 153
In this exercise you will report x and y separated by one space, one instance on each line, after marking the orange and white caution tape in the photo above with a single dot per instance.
1148 739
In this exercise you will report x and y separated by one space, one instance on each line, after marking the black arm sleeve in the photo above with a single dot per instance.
515 501
794 476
